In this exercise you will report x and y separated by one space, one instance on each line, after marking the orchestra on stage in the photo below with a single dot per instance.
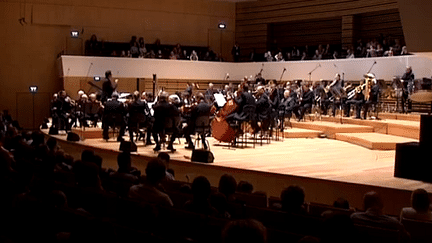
256 106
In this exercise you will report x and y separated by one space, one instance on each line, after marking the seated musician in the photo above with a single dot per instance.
202 109
114 113
62 107
263 108
138 111
288 104
209 93
372 97
247 106
166 119
320 95
96 109
306 102
83 106
357 101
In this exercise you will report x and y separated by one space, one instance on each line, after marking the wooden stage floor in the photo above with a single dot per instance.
327 168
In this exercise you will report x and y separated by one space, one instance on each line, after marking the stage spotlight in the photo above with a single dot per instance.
96 78
222 25
74 33
33 89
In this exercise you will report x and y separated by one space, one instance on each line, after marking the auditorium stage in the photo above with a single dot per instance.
327 168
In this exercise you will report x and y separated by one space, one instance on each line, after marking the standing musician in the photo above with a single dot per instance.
372 92
167 117
408 88
201 109
108 86
114 113
336 87
306 101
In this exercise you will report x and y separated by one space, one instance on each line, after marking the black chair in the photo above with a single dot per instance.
202 127
136 124
113 121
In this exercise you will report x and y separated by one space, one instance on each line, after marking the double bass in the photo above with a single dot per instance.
221 130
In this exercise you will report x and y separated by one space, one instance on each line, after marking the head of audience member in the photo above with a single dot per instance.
164 157
292 199
52 144
155 171
201 189
420 200
58 199
38 138
244 230
219 202
87 155
341 203
87 174
245 187
124 162
227 185
372 201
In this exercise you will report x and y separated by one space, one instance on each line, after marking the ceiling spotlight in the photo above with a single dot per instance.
222 25
74 33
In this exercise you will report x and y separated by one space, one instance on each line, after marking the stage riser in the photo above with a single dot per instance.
373 141
88 133
330 130
383 126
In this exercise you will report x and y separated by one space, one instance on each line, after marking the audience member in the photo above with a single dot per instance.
165 157
292 200
374 216
246 230
200 203
149 190
245 187
420 207
228 186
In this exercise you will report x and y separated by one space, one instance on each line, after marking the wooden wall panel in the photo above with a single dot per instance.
251 16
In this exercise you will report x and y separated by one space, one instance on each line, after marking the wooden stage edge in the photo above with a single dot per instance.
326 168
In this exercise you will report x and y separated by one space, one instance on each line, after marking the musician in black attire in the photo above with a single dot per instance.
138 113
287 106
114 113
167 119
358 101
210 92
306 102
247 106
408 87
263 108
202 109
373 97
62 111
321 97
108 87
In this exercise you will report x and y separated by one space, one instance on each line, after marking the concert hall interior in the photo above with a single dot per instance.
216 120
